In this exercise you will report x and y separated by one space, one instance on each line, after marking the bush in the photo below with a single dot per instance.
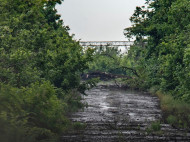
32 108
155 126
171 119
79 126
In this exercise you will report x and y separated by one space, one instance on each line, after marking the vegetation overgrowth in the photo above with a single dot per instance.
159 60
111 60
106 59
40 67
163 61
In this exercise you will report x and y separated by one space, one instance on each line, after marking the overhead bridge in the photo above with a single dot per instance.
106 43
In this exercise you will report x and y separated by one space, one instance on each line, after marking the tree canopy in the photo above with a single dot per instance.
163 64
40 66
164 25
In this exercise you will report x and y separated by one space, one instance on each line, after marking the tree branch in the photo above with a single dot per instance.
127 68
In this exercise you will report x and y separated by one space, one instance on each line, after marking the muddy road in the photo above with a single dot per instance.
117 115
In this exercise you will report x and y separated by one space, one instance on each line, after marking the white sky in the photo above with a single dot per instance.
98 20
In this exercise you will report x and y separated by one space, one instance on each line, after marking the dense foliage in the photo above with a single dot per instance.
164 26
106 59
164 62
40 66
111 59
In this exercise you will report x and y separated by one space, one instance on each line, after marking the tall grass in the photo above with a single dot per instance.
175 112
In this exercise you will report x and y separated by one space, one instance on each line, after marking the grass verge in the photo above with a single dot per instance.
175 112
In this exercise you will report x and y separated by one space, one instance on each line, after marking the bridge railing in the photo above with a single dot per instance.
105 43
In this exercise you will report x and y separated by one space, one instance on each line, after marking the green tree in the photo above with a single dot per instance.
164 26
40 66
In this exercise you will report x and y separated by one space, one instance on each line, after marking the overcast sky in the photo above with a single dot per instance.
98 20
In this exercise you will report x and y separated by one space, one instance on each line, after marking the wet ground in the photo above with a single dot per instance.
117 115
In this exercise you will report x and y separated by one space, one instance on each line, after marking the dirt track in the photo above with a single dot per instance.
116 115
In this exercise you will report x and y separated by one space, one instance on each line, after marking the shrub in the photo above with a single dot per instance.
155 126
171 119
34 112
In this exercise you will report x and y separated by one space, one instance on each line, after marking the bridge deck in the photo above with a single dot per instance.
104 43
